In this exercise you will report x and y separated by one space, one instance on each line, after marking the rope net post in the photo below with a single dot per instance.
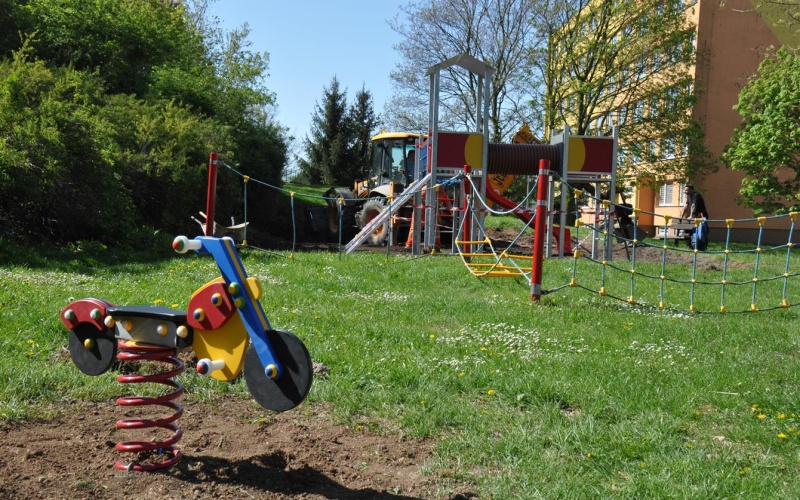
539 230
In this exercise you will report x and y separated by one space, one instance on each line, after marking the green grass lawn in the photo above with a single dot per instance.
576 396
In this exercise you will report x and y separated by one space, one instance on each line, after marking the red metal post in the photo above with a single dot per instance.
466 234
211 195
539 229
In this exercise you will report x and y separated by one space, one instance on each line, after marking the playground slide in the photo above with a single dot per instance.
526 216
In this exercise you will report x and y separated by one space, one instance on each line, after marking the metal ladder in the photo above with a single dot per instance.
387 212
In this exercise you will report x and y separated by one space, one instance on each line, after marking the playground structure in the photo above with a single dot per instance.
445 158
478 172
226 327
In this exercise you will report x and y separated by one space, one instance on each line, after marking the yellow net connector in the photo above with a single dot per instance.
291 194
602 291
722 310
667 218
633 271
578 223
697 222
605 262
663 278
577 193
340 200
784 303
753 308
606 204
724 282
246 179
729 222
244 243
291 256
790 245
755 280
761 221
793 216
693 308
576 254
694 281
662 305
636 212
631 300
573 282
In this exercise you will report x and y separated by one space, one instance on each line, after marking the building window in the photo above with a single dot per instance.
671 99
667 148
665 194
638 110
654 106
622 115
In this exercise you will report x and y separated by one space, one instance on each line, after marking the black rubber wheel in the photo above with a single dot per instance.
97 359
372 209
348 217
292 387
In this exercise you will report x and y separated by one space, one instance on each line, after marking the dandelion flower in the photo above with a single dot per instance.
781 416
490 392
782 436
761 416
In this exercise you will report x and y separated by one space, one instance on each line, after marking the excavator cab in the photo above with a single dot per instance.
391 163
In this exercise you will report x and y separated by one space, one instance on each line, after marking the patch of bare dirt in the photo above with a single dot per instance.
233 450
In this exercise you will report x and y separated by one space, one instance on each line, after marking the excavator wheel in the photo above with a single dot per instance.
292 387
346 224
372 209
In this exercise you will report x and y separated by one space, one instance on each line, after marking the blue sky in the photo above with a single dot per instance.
310 41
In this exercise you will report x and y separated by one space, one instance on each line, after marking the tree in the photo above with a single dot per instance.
327 149
767 144
339 148
496 32
626 62
122 41
363 124
109 110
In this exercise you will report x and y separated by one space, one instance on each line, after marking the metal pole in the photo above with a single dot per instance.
211 195
539 230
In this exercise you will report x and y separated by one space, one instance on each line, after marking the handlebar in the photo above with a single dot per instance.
182 244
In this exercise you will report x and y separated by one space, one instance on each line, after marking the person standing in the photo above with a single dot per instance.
695 207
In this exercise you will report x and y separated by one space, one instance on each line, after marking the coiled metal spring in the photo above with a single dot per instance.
131 351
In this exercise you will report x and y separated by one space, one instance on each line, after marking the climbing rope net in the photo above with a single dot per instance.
654 271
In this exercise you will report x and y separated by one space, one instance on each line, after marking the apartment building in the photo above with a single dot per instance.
729 39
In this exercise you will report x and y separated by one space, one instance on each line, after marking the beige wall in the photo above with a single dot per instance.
732 41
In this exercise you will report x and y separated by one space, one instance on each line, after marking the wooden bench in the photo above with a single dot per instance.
675 227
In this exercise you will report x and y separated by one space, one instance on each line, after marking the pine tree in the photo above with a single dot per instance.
338 149
327 147
364 123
